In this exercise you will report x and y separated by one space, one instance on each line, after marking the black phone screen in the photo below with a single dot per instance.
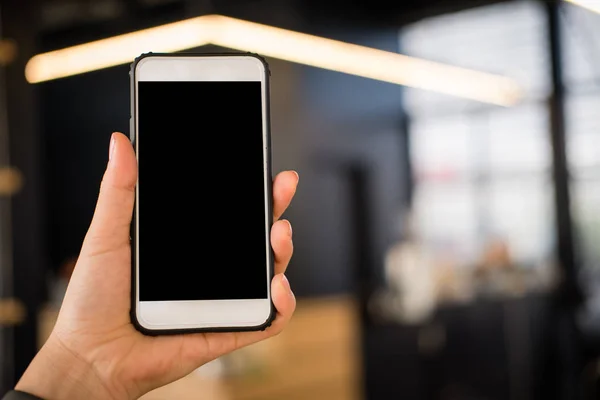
201 216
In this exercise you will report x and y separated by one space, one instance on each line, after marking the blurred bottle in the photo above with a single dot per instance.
409 277
496 273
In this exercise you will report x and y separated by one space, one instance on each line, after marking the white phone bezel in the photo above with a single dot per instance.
204 314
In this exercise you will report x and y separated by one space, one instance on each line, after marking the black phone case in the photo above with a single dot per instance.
133 137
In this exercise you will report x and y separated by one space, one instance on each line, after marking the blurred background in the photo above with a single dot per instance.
447 223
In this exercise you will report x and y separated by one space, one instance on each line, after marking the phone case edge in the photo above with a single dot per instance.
133 136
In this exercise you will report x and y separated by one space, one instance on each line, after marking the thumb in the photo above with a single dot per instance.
110 227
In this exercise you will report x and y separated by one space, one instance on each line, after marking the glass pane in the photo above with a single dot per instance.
581 46
583 127
519 143
586 210
446 220
483 207
507 39
521 214
440 148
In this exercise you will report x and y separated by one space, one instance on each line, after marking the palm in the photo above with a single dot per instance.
94 320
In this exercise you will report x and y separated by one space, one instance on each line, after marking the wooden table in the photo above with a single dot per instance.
316 357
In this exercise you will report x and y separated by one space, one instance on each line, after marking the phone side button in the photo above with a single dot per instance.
131 133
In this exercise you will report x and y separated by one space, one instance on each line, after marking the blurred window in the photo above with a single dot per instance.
581 47
483 172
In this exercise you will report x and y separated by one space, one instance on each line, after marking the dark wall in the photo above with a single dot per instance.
24 259
78 116
331 126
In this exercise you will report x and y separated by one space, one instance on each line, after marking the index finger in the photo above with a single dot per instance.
284 188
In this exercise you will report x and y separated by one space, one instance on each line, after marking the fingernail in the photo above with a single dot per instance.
285 283
111 149
297 177
290 231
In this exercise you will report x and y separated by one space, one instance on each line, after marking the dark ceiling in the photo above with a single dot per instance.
66 22
390 12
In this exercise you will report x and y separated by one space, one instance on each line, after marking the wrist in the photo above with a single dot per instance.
56 374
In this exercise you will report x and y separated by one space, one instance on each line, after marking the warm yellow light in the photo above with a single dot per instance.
277 43
117 50
364 61
592 5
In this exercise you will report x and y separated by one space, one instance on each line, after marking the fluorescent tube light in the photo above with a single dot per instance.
277 43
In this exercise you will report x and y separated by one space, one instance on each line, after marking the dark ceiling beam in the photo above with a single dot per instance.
385 13
131 17
65 13
132 6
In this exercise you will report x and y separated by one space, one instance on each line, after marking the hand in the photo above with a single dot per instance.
94 352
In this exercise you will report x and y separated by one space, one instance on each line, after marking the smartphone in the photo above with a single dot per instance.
202 259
